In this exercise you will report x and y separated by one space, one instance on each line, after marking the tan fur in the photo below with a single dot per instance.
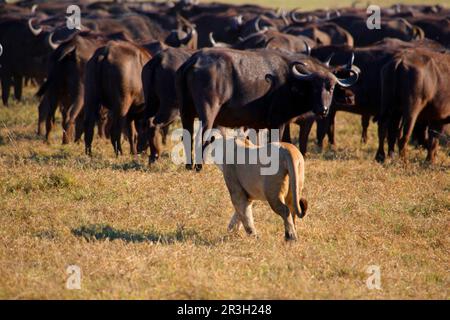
282 190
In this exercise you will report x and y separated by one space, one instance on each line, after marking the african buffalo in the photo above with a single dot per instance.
26 50
323 33
364 97
227 87
65 83
270 39
390 28
162 106
113 80
415 89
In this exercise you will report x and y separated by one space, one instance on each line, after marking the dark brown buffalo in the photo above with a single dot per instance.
272 39
257 24
161 104
113 80
323 33
415 89
269 39
435 28
65 84
364 97
390 28
26 51
227 87
139 28
180 38
226 27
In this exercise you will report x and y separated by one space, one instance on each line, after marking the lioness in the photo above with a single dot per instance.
281 190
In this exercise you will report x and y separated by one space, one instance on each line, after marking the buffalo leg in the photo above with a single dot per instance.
116 134
433 141
207 114
158 130
102 123
321 131
419 135
165 133
18 84
91 115
305 129
325 127
409 120
382 129
393 134
331 127
154 140
70 117
79 128
6 86
188 125
64 113
365 121
43 110
132 137
89 124
49 125
50 117
285 133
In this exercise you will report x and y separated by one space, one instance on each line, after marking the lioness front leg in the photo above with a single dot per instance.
247 219
244 209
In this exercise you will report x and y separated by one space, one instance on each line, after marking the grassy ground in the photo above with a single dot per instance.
160 232
308 5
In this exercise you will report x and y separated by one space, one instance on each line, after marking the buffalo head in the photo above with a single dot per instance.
316 83
179 38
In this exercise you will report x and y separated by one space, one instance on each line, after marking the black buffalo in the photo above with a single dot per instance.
227 87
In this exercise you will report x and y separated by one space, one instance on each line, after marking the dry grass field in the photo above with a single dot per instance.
160 232
308 5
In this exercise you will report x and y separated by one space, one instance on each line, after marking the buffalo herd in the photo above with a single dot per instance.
132 68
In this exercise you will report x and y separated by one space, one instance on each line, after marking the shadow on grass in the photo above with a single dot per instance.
415 162
61 155
18 136
130 166
102 232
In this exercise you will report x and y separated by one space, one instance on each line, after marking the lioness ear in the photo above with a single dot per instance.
304 206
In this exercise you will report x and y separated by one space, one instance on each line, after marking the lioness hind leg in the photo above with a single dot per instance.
281 209
235 223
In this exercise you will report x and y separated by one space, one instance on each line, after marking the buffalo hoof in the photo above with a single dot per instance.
380 157
153 158
319 145
189 167
198 167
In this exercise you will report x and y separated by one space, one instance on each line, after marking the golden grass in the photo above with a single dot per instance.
160 232
309 5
